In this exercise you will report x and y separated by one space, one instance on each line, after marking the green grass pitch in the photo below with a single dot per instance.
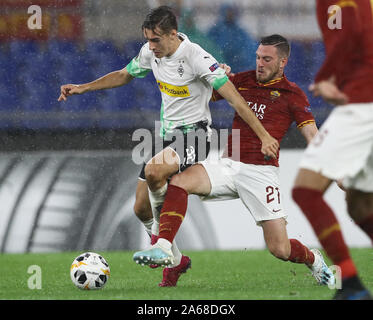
215 275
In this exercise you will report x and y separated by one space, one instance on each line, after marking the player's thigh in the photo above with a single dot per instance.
221 174
363 180
311 180
194 180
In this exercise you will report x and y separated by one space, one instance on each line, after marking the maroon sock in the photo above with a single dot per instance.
325 224
367 226
300 253
173 212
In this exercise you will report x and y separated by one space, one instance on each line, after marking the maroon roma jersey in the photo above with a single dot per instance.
349 50
276 104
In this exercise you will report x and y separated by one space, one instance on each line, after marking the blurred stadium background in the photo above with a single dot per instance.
67 179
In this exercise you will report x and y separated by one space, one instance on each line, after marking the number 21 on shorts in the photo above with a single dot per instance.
273 194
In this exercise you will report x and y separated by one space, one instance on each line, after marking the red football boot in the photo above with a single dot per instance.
171 275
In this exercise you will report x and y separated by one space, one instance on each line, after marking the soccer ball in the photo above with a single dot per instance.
89 271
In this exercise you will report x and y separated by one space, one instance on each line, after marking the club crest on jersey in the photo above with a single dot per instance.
180 70
275 94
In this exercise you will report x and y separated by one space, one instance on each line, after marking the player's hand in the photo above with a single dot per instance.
270 148
69 90
227 69
329 92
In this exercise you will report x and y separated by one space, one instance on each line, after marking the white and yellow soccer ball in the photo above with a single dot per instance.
89 271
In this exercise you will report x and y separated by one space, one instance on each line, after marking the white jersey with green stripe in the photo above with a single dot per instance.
186 80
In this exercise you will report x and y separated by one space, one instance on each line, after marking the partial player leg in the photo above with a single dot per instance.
142 206
162 166
195 180
276 238
360 208
184 181
278 243
308 194
143 211
157 171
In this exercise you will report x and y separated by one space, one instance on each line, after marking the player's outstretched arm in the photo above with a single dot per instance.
269 144
111 80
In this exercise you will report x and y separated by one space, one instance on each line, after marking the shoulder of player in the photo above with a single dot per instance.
196 57
145 50
243 77
293 88
195 51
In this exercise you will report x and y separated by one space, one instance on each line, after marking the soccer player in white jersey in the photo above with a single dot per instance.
186 75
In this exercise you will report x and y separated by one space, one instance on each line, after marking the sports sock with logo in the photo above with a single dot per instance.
173 212
300 253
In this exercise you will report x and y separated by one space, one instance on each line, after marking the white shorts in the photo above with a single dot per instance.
257 186
343 148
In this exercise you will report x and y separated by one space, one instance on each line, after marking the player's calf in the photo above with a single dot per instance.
279 250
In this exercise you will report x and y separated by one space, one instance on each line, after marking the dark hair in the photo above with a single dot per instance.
162 17
281 43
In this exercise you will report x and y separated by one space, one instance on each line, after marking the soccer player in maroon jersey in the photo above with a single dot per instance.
277 102
343 149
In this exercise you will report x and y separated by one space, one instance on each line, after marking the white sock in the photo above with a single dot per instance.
177 255
148 226
155 228
156 201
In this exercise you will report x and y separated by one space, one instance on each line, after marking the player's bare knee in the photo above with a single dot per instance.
153 174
